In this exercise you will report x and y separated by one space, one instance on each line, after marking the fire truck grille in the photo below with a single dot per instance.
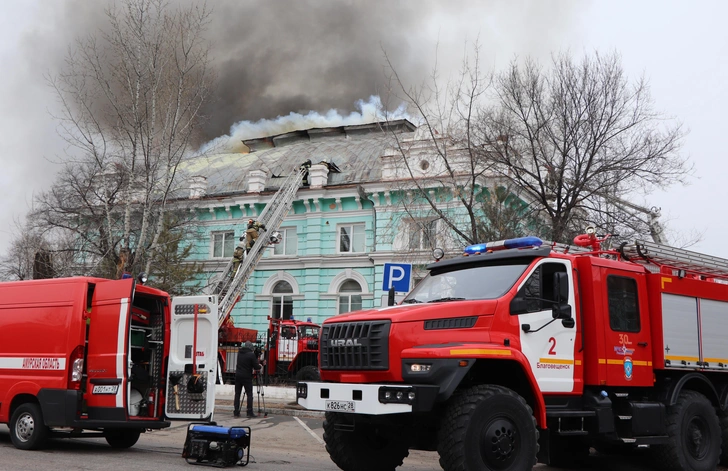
355 346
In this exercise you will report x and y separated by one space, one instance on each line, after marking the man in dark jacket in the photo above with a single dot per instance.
247 362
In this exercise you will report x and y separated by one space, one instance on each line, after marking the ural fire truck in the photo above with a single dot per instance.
292 350
522 351
107 358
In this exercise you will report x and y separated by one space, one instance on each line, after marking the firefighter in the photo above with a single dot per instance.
251 234
237 259
247 362
307 167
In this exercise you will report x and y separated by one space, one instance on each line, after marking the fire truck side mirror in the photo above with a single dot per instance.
561 287
561 311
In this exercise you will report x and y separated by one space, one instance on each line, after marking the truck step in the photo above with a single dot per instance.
571 433
570 413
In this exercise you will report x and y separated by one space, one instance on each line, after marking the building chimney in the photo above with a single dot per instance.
256 181
198 187
318 175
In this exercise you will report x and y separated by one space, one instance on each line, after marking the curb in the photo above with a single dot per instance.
273 409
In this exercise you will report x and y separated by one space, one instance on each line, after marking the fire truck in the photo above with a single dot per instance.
523 351
291 347
107 358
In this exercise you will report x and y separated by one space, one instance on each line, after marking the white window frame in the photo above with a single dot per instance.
212 244
282 299
351 227
348 295
417 228
284 243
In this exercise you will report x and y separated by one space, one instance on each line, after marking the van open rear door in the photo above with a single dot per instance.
107 355
191 384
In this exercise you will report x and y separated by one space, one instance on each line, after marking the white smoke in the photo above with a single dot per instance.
369 111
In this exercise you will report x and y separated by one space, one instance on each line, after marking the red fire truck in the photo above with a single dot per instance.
96 357
293 349
523 351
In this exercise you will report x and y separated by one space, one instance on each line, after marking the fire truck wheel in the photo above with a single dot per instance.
495 421
724 435
27 429
694 433
124 438
308 373
363 449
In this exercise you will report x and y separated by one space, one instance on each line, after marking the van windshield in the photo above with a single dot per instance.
479 282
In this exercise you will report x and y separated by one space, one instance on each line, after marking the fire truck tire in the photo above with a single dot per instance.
308 373
724 434
27 429
494 420
694 435
364 448
124 438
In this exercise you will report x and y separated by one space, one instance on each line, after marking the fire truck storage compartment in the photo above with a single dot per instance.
693 332
146 353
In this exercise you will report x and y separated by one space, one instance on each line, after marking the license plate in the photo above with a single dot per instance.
106 389
340 406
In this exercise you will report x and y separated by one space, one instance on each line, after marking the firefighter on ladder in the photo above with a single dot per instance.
251 234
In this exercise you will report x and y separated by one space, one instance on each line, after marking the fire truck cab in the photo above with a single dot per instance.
523 351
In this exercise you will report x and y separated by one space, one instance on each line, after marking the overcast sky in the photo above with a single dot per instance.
681 47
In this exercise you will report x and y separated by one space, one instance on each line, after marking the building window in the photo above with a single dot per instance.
223 244
422 234
289 244
282 301
351 238
349 297
624 313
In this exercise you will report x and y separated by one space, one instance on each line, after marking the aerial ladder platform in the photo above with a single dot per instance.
231 284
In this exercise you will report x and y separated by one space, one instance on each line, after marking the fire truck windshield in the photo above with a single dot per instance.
308 331
478 282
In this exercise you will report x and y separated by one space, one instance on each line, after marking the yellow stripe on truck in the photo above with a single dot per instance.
480 351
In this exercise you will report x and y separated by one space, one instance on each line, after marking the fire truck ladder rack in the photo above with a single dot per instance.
646 253
231 287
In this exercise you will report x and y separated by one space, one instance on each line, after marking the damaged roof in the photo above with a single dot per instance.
355 150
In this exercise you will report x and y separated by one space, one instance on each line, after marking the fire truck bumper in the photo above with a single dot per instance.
371 399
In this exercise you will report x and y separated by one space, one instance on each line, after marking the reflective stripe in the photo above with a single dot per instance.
120 349
480 351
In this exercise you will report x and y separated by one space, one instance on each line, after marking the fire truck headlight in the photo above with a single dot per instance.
438 253
420 367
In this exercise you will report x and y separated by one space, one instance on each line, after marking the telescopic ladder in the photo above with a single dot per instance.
646 253
231 286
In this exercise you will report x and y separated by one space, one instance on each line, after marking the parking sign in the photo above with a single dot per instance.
397 276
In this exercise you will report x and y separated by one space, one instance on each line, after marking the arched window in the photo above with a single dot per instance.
349 296
282 304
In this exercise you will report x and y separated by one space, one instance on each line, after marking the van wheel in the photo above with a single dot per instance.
122 438
694 435
487 428
308 373
27 429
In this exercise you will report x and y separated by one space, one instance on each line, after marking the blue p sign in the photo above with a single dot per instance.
397 276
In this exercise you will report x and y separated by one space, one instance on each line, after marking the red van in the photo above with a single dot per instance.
108 358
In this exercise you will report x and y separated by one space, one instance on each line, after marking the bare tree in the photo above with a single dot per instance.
579 137
569 141
130 101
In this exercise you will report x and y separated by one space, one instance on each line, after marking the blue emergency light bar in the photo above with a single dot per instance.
517 243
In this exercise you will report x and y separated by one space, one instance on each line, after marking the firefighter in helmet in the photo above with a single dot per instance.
251 234
237 259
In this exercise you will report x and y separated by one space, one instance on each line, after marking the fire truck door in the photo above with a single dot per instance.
107 362
287 343
190 391
547 342
628 355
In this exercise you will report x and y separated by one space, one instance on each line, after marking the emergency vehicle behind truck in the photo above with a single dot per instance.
523 351
96 357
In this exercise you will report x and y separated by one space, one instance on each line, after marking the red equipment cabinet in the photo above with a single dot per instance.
101 357
523 350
